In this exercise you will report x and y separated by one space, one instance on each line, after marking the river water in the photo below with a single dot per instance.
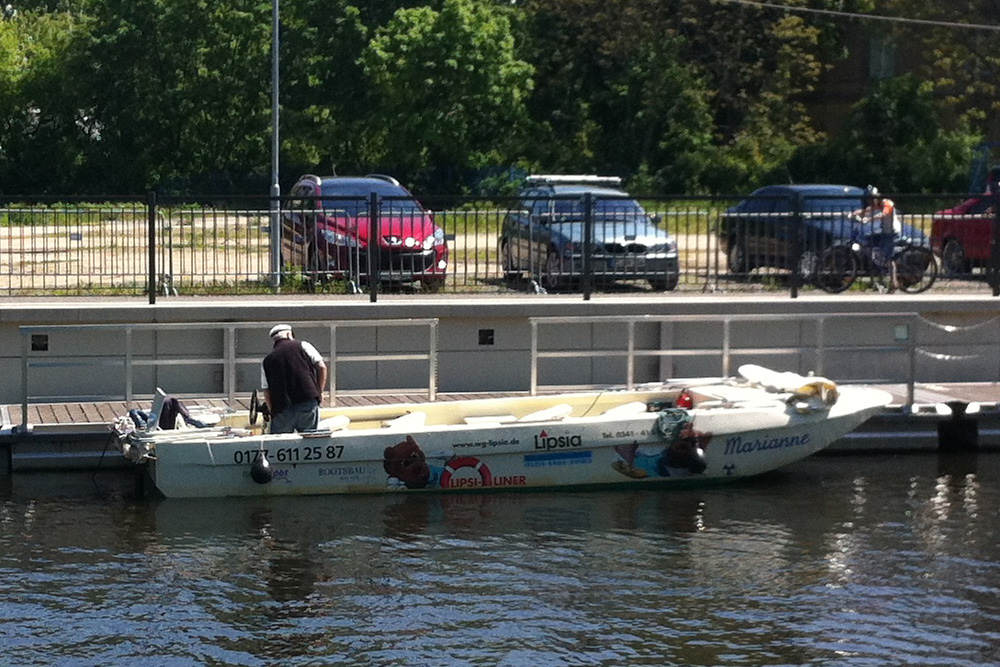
836 560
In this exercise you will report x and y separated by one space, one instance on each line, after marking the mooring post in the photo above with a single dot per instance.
960 432
6 464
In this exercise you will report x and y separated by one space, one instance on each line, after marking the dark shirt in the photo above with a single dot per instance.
291 376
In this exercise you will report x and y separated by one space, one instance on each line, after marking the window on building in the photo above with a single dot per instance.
882 57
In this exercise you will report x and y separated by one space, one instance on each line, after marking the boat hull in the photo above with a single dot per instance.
641 448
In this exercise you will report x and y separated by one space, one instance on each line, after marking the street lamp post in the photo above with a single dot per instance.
275 185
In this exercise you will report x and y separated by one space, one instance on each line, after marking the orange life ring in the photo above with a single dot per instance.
465 462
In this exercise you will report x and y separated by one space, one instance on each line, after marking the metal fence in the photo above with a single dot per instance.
172 246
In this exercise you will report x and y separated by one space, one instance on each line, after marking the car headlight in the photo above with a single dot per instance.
435 240
336 238
664 250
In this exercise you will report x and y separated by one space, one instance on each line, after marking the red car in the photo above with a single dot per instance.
961 235
326 230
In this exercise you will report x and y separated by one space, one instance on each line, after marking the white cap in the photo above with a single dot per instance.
279 330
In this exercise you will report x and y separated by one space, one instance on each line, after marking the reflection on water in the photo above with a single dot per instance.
836 560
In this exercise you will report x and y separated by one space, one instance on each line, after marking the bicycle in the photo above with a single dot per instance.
910 268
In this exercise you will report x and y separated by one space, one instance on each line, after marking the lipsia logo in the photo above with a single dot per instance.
545 441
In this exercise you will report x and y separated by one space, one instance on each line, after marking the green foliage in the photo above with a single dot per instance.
180 88
447 88
677 96
895 141
324 128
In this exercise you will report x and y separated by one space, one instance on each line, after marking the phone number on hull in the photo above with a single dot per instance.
289 454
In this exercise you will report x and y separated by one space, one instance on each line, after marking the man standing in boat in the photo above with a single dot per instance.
293 376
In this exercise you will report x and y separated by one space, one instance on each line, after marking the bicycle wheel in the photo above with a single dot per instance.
916 269
836 269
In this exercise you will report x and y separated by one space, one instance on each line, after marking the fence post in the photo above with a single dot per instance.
588 244
151 229
374 251
993 272
796 250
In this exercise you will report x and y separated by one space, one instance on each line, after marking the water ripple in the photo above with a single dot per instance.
869 562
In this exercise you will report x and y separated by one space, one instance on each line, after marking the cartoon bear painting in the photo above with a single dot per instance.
406 462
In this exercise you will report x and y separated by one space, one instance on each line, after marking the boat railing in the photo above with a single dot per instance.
618 337
132 356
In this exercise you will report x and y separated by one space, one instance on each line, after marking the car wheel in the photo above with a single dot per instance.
555 276
663 284
432 284
739 263
954 262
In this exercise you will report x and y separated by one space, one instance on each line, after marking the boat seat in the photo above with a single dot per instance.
491 419
409 420
625 409
334 423
552 413
153 421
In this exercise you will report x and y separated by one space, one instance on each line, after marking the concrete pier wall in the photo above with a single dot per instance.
484 343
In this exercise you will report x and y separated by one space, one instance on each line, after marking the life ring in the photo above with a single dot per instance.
466 462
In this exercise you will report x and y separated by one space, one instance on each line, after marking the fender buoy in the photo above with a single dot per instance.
465 462
261 470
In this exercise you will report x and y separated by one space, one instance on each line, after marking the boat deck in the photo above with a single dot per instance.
83 416
90 416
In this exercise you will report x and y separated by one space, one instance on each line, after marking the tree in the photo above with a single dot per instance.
41 145
614 93
731 84
447 90
895 141
178 90
11 67
325 92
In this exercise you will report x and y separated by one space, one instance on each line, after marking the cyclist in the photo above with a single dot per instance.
877 208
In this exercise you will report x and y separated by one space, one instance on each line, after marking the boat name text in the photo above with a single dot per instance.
738 445
545 441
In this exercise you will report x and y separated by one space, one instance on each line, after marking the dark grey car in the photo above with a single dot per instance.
788 226
545 237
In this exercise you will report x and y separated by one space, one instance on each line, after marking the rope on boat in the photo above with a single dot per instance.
211 454
939 356
953 328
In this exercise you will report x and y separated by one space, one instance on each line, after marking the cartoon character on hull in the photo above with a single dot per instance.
682 457
406 463
407 466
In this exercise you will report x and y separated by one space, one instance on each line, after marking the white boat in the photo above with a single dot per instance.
686 430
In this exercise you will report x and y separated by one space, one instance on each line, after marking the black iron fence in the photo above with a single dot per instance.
169 246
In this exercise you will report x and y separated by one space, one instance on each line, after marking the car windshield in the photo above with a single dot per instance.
602 207
352 198
831 204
